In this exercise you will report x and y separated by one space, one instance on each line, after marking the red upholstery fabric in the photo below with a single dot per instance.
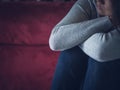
26 62
36 0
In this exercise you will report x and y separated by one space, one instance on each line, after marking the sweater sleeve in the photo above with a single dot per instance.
76 15
76 27
103 46
72 35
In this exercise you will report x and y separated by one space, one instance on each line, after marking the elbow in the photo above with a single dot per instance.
55 40
53 47
53 44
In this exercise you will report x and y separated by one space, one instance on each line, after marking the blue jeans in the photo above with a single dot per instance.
76 71
102 76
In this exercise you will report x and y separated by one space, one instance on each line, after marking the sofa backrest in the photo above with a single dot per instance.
26 61
29 23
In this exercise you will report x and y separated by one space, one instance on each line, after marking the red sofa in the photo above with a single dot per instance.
26 61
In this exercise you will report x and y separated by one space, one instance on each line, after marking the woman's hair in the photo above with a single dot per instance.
116 10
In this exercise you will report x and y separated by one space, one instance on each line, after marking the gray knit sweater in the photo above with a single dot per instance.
82 27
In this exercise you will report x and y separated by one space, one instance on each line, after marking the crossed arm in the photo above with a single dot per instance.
76 28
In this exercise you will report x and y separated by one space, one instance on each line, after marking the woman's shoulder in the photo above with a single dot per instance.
86 1
88 6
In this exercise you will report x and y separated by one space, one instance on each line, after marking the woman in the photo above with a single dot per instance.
92 27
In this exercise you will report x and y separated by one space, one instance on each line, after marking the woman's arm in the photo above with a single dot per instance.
76 14
76 27
103 46
72 35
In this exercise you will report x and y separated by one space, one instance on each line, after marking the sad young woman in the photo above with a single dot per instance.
89 40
